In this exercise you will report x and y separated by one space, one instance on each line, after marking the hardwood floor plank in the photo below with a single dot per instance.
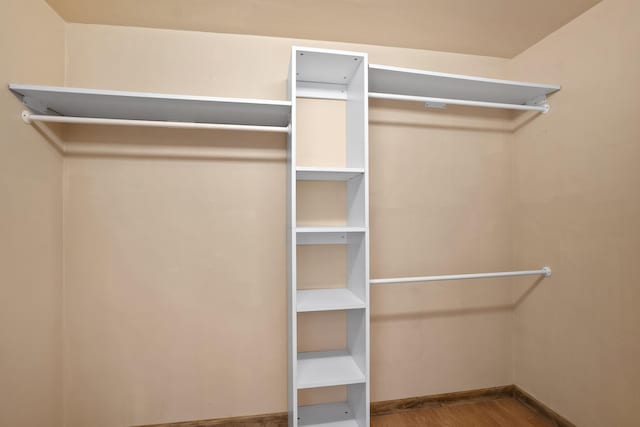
500 412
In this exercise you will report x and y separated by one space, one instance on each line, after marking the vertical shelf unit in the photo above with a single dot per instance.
330 74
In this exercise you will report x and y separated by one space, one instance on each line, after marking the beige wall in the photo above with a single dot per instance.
176 284
577 207
31 50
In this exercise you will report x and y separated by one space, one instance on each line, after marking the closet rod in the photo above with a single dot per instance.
542 108
544 271
29 117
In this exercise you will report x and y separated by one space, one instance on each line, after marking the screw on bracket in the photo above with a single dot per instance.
26 116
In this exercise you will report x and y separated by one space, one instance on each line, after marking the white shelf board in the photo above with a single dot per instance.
331 229
327 368
327 299
406 81
327 174
326 66
110 104
327 415
325 235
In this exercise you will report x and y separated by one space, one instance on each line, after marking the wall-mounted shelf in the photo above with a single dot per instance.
440 89
64 104
327 299
327 368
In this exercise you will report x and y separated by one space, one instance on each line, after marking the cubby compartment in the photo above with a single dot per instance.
321 143
346 412
332 277
324 358
322 279
322 331
321 203
321 266
331 110
331 348
322 395
331 203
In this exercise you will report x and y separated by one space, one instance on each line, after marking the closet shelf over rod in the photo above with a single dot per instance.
439 89
108 107
544 271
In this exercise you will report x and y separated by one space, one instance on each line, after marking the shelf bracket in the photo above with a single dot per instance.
435 105
540 101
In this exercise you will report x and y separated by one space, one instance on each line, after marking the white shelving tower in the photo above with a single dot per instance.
329 74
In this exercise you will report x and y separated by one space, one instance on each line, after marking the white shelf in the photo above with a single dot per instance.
109 104
326 235
326 66
331 229
327 415
405 81
327 299
325 74
327 368
327 174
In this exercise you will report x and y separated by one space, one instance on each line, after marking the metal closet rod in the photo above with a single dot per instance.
544 271
30 117
542 108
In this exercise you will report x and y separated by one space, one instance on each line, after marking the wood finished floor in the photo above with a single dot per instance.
499 412
496 411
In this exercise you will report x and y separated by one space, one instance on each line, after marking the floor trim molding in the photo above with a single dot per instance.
411 403
275 419
530 401
394 406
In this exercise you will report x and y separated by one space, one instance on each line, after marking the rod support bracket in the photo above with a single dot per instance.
26 117
435 105
546 271
540 101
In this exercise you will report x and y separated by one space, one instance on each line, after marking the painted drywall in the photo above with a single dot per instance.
174 257
577 207
31 50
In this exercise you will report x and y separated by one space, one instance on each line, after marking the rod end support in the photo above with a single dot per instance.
546 271
26 116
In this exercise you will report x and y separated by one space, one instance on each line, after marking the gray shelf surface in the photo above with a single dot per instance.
406 81
110 104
